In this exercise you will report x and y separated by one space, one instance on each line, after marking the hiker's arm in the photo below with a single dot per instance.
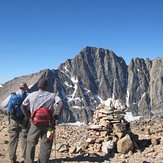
5 102
25 106
25 111
59 109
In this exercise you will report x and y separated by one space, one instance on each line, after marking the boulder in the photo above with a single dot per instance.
124 145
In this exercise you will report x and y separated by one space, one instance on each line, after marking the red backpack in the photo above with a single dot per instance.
42 117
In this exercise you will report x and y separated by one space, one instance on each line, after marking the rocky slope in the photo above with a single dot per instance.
97 76
71 139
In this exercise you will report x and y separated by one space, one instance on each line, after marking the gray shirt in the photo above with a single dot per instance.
41 99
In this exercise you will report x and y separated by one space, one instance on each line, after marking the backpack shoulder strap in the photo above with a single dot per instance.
42 102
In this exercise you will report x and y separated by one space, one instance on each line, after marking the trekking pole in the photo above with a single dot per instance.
55 156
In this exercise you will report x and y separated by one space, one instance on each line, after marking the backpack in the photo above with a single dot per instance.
42 117
14 105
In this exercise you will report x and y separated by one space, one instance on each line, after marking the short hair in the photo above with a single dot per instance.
42 84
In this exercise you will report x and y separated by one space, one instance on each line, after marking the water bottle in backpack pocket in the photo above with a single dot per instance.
50 133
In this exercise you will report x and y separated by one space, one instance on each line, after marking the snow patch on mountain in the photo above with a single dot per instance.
112 102
129 117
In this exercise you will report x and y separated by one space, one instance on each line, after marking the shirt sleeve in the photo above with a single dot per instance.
26 101
5 102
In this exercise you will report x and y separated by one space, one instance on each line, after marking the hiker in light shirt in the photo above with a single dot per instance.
37 102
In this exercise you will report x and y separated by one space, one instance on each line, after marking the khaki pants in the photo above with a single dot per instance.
16 132
45 147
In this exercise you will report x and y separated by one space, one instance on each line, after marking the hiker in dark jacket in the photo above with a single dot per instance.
40 103
19 126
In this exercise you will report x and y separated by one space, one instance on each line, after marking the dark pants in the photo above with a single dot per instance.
32 139
15 132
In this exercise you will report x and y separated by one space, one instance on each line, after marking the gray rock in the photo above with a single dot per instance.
124 145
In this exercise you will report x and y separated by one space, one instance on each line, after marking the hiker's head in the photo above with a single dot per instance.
42 84
23 86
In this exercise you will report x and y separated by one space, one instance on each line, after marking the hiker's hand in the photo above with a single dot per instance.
56 117
55 122
30 120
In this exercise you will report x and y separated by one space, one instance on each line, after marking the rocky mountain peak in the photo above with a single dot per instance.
98 75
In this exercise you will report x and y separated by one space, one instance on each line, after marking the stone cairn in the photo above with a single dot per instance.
110 132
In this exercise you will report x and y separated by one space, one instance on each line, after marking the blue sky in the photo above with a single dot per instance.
40 34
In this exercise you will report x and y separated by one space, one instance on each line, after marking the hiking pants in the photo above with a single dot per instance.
16 132
32 140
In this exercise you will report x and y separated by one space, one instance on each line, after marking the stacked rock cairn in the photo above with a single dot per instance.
110 132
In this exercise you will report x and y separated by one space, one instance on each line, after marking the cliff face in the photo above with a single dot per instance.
97 76
138 86
145 87
156 87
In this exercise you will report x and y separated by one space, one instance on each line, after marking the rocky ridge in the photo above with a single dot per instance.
97 76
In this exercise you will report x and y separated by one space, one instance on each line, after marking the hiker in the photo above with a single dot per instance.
4 104
18 124
41 106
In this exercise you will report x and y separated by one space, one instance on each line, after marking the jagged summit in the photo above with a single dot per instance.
93 51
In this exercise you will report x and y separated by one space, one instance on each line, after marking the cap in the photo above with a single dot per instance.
23 85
